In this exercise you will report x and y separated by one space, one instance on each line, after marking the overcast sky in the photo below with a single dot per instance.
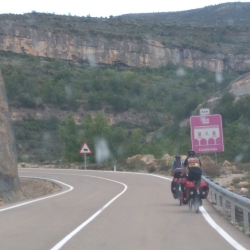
102 8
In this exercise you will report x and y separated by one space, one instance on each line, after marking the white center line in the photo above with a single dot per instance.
70 235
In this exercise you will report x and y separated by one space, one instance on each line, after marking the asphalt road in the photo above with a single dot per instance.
112 211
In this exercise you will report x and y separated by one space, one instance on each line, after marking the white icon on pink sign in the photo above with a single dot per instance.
207 135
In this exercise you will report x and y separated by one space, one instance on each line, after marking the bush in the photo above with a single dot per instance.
242 167
26 101
150 168
211 169
163 166
134 166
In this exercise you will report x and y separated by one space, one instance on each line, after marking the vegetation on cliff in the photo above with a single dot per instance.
162 97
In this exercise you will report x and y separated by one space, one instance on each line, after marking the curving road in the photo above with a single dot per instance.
112 211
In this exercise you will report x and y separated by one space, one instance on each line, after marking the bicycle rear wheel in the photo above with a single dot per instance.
181 198
196 205
190 204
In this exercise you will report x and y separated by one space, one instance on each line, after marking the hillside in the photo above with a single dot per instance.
145 73
138 40
226 14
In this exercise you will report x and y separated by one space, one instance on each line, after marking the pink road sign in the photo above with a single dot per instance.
206 134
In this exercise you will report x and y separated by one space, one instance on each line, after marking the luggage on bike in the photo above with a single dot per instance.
175 188
184 198
190 190
204 189
183 184
174 185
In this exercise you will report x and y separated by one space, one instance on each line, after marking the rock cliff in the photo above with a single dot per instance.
8 163
99 50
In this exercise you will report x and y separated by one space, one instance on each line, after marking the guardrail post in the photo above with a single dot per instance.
232 211
221 196
246 221
223 205
213 196
217 199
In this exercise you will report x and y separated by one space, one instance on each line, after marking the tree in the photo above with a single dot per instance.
228 110
117 142
135 142
103 137
94 101
95 132
69 137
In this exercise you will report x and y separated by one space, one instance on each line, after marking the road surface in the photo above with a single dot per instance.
112 211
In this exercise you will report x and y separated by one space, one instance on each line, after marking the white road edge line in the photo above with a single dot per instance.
43 198
215 226
224 234
73 233
205 214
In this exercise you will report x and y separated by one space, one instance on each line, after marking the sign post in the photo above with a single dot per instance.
85 149
207 134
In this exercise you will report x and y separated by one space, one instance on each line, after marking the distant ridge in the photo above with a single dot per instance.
236 13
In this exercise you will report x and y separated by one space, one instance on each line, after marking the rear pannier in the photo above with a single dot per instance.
204 189
174 185
183 184
190 189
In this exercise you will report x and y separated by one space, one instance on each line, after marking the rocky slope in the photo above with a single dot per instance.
8 163
241 86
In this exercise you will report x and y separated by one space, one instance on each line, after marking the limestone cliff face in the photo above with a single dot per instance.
8 163
96 50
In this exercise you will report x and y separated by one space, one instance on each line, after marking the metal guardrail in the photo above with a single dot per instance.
223 197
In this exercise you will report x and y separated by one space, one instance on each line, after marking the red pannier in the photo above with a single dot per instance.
204 189
183 184
190 189
174 185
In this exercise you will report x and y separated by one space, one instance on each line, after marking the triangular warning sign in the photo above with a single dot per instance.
85 149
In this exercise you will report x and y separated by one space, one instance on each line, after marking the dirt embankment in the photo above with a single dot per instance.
30 189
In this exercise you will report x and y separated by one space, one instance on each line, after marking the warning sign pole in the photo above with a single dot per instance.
85 162
85 149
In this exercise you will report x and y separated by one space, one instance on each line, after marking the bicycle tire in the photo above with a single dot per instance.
190 204
177 193
181 198
196 205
